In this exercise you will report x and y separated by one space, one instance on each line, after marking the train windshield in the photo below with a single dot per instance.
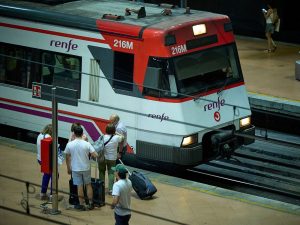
197 72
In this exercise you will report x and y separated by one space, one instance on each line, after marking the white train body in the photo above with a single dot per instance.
168 128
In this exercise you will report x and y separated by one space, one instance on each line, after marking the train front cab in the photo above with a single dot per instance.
177 76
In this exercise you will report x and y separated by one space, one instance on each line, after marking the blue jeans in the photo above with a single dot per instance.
122 220
45 182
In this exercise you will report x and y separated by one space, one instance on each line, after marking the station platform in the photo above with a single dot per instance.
270 77
177 201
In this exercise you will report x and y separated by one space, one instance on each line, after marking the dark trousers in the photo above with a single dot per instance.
122 220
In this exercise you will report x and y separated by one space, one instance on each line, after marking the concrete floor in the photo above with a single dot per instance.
270 74
177 201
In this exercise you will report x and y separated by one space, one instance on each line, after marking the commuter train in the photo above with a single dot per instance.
172 75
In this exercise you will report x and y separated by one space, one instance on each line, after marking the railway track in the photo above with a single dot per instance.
262 168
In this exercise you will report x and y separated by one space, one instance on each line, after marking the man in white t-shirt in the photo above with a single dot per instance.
121 196
78 163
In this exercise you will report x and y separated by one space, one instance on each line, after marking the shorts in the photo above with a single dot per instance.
81 177
270 28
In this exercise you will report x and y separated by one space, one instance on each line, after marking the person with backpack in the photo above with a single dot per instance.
111 142
45 133
121 130
272 19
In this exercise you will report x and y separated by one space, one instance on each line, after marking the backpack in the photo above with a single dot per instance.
99 146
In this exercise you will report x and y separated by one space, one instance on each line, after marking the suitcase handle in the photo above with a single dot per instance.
96 167
125 167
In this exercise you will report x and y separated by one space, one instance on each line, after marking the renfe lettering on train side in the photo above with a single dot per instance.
215 105
64 45
160 117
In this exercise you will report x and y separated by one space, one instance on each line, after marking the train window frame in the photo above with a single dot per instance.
25 71
31 66
123 71
64 75
217 79
167 84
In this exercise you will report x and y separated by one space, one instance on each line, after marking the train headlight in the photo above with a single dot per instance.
245 122
199 29
189 140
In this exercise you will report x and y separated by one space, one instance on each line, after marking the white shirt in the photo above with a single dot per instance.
269 19
111 148
38 144
79 151
123 188
121 129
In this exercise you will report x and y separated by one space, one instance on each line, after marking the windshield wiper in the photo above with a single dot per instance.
224 85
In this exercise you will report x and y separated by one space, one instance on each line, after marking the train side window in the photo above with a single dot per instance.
17 65
48 64
123 71
61 70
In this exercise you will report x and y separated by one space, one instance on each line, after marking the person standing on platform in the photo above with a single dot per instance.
121 196
45 133
72 135
122 130
271 17
78 163
111 141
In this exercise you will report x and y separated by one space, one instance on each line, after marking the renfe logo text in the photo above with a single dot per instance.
64 45
215 105
159 117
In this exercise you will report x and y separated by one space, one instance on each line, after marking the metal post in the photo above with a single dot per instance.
54 155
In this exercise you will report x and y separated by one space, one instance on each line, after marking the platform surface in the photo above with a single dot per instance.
177 201
271 74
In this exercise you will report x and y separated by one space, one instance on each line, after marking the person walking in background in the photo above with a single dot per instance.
271 17
78 163
122 130
121 196
45 133
111 142
72 135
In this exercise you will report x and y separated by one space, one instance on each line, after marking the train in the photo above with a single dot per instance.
171 74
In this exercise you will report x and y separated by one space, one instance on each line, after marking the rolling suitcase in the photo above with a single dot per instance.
73 197
98 190
141 184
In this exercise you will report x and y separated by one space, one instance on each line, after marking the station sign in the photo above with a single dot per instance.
63 95
36 91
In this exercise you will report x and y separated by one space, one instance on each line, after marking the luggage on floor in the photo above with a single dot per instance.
141 184
98 192
73 197
98 189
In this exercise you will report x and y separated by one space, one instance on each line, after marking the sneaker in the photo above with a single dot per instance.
79 207
59 198
44 197
90 206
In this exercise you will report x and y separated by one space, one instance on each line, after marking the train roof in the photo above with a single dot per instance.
83 14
